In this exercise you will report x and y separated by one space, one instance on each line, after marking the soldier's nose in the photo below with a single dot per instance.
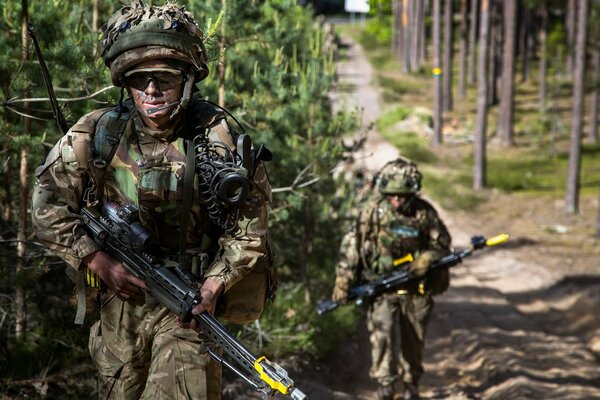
152 87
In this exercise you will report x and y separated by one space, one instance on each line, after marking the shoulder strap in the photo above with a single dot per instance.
94 139
107 128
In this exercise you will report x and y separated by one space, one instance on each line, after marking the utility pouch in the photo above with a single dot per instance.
245 301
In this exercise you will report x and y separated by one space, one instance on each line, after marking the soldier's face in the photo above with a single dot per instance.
156 88
397 200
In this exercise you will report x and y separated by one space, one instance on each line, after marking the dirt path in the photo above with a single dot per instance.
510 327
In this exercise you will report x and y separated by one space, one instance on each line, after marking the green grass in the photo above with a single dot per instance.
537 173
452 192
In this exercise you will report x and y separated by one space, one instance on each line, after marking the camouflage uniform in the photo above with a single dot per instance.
139 350
396 321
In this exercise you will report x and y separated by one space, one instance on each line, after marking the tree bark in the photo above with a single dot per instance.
396 34
505 117
420 34
598 218
543 59
462 64
496 13
571 16
405 22
573 177
447 66
20 310
593 133
437 78
491 57
472 42
479 145
96 26
523 43
425 7
414 36
222 58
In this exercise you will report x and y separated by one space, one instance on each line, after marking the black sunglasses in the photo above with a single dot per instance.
163 78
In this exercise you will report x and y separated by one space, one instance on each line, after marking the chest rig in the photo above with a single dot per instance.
223 166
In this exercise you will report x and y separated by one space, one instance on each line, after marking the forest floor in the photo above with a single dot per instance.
520 321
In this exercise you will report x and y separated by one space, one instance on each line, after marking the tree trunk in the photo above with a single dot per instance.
525 44
420 34
96 26
405 22
571 16
543 60
414 36
593 133
598 218
462 64
505 117
20 310
222 58
425 9
479 145
5 173
495 40
437 74
573 177
447 66
472 43
396 33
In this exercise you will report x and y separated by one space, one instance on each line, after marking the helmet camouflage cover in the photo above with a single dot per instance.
140 32
400 176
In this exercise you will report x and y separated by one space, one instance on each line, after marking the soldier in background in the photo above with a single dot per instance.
395 222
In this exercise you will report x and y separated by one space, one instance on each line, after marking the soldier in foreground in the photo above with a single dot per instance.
394 223
135 154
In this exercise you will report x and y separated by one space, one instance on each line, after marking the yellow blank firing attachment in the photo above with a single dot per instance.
494 240
265 369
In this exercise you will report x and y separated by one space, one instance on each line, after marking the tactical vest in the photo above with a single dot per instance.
101 139
398 235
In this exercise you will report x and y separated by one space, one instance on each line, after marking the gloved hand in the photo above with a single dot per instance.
340 289
421 265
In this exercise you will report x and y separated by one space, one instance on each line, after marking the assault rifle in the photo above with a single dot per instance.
120 234
395 279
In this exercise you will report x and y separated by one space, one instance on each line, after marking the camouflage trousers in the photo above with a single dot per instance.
141 353
397 326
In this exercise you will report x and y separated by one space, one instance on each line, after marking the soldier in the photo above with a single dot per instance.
135 153
396 222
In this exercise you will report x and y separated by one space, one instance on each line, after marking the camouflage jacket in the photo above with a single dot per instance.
146 170
383 234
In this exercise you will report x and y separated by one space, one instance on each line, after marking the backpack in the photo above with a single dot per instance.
99 134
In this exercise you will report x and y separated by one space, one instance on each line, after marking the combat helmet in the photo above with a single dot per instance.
400 176
140 32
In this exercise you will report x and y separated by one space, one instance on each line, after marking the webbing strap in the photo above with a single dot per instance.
79 279
81 300
188 182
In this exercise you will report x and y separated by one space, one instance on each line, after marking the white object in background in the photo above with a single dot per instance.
357 6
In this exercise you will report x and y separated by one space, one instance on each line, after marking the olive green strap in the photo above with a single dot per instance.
79 279
186 207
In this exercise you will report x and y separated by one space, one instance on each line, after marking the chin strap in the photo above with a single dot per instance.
187 94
